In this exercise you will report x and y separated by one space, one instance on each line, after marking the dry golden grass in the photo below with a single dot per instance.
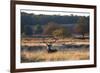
39 56
56 56
37 41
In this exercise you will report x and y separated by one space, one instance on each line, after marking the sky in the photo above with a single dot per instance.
49 12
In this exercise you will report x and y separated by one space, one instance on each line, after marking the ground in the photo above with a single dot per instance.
67 49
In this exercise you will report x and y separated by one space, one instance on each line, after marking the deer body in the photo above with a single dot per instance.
49 43
50 49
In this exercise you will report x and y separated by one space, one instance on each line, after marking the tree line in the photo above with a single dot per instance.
55 25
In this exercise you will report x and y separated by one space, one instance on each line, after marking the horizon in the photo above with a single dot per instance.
61 13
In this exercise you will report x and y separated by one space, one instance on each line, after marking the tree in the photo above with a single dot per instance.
61 32
38 29
50 27
28 30
82 26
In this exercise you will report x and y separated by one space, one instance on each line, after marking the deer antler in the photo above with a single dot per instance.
49 41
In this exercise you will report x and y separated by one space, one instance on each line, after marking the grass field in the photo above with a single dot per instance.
80 53
38 42
57 56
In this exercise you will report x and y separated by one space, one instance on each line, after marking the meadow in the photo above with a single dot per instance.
35 50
